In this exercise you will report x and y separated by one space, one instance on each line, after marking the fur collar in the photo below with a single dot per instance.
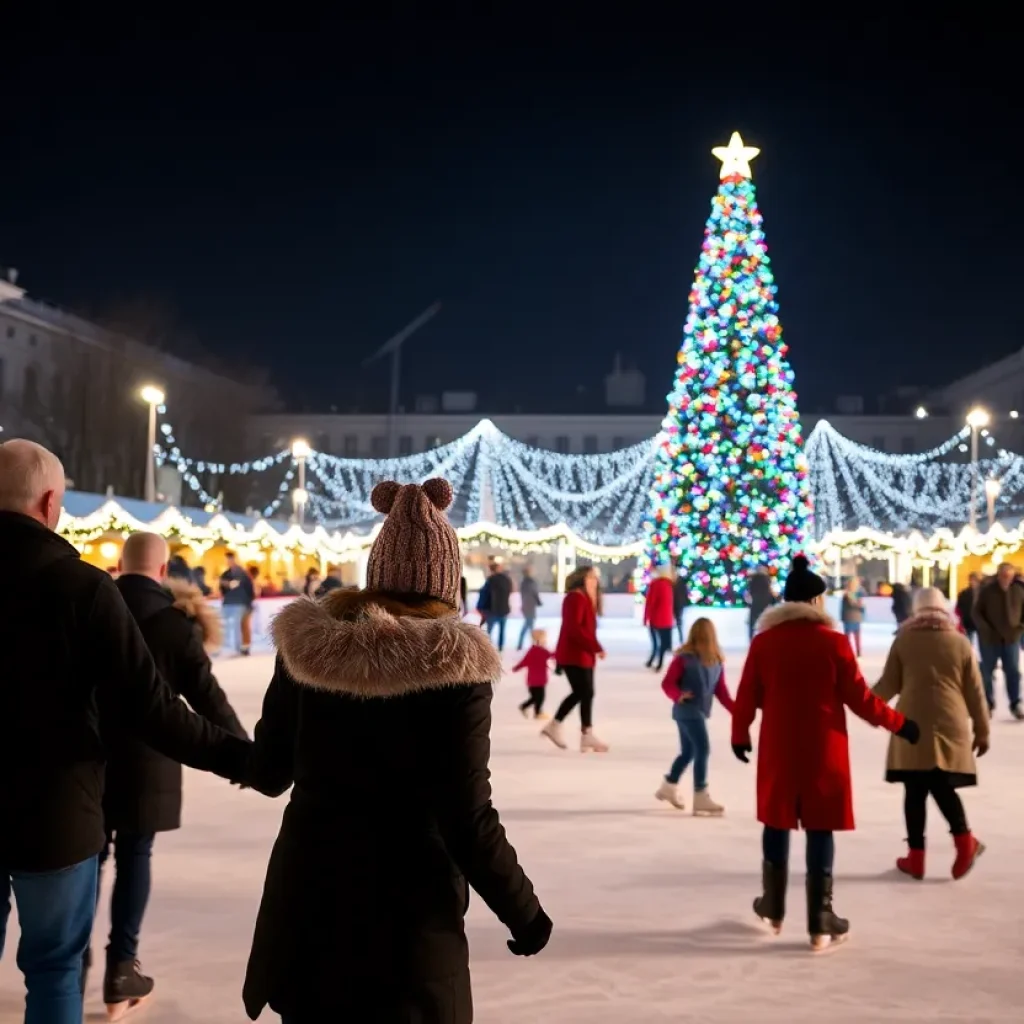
369 644
793 611
929 618
188 598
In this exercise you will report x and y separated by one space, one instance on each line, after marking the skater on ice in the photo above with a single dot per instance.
931 667
379 713
801 674
659 616
536 662
695 677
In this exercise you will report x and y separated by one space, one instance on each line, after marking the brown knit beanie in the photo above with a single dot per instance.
416 551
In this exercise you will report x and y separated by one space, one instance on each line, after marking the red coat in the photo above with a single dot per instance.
801 674
535 661
577 639
658 608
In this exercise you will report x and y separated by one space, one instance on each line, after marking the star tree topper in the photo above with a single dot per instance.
735 157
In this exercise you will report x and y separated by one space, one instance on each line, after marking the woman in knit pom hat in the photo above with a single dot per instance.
379 714
801 674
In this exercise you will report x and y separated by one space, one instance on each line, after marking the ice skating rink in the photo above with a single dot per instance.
651 906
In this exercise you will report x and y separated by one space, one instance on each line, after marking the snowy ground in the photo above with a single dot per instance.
651 906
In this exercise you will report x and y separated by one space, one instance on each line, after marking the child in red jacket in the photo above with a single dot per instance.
535 661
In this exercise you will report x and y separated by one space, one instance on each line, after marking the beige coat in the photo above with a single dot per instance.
933 670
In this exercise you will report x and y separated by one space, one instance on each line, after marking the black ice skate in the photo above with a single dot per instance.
125 987
771 906
824 926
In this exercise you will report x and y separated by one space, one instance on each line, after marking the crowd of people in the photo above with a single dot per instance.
363 902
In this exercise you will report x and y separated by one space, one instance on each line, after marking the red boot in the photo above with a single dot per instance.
968 850
912 864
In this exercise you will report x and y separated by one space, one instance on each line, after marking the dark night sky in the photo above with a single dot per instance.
297 193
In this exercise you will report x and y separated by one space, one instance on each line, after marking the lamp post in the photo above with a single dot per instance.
300 496
977 419
992 489
153 397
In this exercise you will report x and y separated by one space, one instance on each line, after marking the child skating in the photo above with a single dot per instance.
536 661
694 678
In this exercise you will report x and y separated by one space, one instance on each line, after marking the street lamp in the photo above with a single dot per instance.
992 489
921 412
300 496
153 397
977 419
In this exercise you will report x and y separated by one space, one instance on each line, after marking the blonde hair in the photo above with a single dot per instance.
540 637
702 641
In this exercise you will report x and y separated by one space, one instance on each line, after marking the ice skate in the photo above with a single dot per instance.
770 907
525 711
542 716
912 864
669 793
968 850
553 731
590 744
826 928
704 805
1018 712
125 988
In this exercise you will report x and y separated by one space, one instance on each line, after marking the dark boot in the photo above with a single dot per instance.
124 988
823 925
771 906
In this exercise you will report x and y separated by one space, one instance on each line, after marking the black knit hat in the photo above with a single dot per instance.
801 583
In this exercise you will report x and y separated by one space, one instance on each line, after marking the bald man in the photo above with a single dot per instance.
143 792
74 667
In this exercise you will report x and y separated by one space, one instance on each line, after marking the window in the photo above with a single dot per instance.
351 446
562 444
432 442
618 441
405 445
589 444
323 442
879 443
10 331
378 447
32 341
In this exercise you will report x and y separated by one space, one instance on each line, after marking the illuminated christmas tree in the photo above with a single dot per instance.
731 489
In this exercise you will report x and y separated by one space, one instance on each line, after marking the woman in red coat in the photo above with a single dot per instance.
659 616
801 674
576 654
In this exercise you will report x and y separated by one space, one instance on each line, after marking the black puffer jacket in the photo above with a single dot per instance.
143 793
75 667
379 712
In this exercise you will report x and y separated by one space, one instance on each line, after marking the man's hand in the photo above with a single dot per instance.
980 747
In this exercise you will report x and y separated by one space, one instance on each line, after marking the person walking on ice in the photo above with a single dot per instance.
694 678
801 674
536 661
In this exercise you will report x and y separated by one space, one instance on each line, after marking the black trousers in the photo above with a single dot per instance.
915 802
581 680
664 645
536 699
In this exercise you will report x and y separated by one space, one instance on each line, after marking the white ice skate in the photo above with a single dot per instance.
704 805
553 731
669 793
590 744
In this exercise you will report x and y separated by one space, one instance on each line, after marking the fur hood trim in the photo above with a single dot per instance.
793 611
188 598
929 618
371 644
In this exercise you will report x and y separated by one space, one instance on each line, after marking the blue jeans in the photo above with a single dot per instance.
132 858
232 617
694 746
56 911
524 633
499 621
1009 655
821 850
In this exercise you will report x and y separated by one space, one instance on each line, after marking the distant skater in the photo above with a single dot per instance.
536 661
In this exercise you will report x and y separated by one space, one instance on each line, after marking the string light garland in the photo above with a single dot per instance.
731 487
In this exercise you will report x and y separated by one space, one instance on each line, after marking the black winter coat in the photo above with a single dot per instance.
379 712
143 791
74 668
499 587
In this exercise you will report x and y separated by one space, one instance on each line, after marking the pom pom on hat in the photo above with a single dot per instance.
439 491
801 583
383 496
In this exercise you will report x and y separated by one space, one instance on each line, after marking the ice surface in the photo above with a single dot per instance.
651 906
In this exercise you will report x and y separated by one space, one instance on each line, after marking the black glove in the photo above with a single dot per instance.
534 939
741 750
909 731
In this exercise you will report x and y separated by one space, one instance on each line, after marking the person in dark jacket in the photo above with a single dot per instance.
177 568
378 696
143 790
901 604
529 599
999 615
499 590
965 606
332 581
760 596
680 601
75 666
237 598
312 582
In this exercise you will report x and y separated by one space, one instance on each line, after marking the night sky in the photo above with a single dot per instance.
293 194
